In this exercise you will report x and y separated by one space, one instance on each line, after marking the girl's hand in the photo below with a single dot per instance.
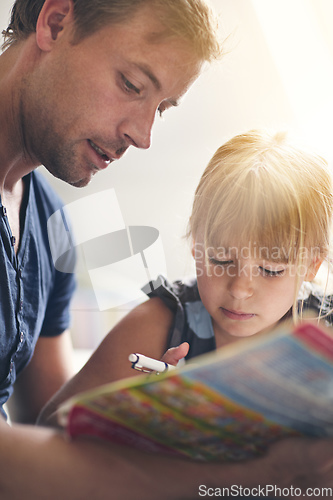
175 354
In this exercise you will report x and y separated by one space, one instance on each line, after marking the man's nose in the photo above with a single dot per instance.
137 129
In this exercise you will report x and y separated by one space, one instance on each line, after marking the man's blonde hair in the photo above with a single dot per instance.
190 20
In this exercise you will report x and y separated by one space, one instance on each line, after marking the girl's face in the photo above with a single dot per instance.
246 295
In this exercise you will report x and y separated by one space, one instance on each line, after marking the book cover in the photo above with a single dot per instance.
227 405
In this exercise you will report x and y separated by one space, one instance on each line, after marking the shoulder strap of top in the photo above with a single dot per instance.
174 295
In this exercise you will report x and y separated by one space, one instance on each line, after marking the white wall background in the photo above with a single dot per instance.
278 72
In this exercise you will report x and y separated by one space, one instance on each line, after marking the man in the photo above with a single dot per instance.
78 86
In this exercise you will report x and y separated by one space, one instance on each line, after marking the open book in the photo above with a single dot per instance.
227 405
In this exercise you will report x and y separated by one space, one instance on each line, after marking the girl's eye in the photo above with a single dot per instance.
216 262
128 86
270 272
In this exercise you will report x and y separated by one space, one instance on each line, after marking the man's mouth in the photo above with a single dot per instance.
99 151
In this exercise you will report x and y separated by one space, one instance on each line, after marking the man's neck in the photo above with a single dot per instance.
14 160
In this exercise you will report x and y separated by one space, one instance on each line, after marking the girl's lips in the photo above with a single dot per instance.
240 316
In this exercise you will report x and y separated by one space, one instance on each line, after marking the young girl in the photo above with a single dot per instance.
260 228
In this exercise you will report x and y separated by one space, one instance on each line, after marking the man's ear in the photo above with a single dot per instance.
313 268
54 16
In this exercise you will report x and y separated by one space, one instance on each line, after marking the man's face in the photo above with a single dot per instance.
85 104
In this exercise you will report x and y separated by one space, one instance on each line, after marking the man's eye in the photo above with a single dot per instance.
162 108
129 87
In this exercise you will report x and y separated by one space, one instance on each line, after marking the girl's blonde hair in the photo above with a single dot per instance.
264 192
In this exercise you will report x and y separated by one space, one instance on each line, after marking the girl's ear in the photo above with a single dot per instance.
54 16
313 268
193 249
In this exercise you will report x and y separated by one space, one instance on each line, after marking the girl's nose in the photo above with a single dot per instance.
241 284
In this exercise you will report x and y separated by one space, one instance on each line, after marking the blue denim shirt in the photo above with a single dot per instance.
34 296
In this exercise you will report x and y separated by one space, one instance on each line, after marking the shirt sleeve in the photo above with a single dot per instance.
321 304
57 315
